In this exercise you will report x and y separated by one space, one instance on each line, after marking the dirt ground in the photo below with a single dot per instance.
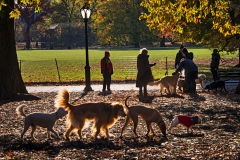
216 138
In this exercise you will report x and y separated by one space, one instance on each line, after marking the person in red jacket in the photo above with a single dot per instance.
107 71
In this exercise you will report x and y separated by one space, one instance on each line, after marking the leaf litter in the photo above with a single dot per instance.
216 138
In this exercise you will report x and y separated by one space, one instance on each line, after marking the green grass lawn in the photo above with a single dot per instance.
40 65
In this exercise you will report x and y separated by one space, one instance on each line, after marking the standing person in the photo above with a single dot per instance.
186 54
144 75
107 71
191 73
214 64
179 56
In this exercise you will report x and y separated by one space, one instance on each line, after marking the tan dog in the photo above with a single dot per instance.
147 114
44 120
201 78
103 114
168 82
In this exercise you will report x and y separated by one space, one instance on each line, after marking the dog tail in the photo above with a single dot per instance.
20 111
62 99
156 83
126 102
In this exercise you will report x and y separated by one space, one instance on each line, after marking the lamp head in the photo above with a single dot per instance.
86 11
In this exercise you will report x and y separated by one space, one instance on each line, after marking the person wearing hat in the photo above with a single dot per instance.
144 75
214 64
107 71
179 56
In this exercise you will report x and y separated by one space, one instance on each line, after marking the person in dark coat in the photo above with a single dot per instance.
214 64
186 54
179 56
191 73
144 75
107 71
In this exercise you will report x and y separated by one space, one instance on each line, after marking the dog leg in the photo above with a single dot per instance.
69 130
80 133
56 134
135 123
187 130
106 132
26 126
201 84
97 129
224 89
33 130
81 125
126 123
48 134
149 128
191 129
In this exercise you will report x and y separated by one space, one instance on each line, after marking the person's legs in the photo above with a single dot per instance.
192 83
187 83
108 82
104 83
214 74
145 90
140 91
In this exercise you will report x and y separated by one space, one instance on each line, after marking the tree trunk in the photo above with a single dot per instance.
11 81
27 34
162 43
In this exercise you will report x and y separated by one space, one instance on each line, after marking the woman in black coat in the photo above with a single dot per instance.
144 75
214 64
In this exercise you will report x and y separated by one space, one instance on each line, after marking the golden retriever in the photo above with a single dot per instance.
103 114
201 78
45 120
168 82
147 114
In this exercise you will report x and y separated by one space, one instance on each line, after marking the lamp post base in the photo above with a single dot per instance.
87 79
88 89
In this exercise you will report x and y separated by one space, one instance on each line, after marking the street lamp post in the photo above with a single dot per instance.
86 12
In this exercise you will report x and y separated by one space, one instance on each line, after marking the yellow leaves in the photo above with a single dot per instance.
14 14
2 3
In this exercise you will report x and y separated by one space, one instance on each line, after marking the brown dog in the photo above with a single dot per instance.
147 114
103 114
168 82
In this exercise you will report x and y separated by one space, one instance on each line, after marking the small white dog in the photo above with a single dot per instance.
186 121
45 120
